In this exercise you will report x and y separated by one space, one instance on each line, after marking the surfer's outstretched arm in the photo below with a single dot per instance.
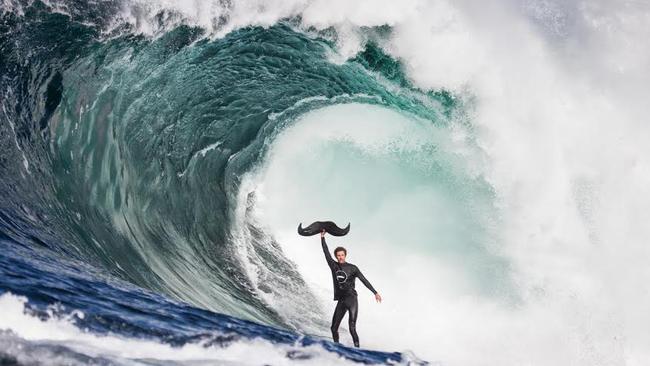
326 251
365 281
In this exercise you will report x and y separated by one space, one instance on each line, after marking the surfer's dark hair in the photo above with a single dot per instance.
340 249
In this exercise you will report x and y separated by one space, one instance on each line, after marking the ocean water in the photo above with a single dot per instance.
156 158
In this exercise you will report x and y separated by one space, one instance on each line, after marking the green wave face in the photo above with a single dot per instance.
151 139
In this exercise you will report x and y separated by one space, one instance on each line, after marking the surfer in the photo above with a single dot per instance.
343 277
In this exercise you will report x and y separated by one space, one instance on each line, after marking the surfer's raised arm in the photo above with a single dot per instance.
326 251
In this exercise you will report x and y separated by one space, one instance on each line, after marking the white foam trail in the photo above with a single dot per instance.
29 330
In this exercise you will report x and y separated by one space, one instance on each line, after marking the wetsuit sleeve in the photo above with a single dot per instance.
326 251
363 279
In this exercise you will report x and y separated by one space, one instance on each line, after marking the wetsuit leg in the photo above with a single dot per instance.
353 307
336 319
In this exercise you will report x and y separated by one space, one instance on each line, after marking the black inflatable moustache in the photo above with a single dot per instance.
316 227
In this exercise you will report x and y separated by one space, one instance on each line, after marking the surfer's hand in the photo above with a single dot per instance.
322 233
378 297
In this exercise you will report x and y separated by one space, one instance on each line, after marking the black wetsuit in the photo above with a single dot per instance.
343 276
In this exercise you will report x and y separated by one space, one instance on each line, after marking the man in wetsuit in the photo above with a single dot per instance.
343 276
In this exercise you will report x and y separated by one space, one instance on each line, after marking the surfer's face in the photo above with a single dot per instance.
340 256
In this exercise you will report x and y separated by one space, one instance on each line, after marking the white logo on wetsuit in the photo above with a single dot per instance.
341 276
